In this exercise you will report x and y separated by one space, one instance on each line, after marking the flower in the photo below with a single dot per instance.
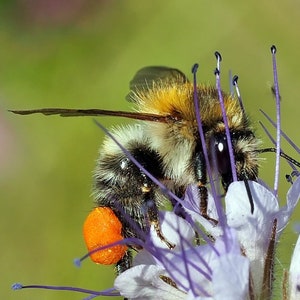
234 262
186 271
221 269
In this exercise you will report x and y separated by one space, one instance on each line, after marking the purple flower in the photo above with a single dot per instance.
223 267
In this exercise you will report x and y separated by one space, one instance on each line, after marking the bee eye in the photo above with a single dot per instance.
221 154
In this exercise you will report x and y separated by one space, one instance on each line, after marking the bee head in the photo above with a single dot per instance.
244 146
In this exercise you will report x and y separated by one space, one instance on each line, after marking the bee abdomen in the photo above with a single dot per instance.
124 187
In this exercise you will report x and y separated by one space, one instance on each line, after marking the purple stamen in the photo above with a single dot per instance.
295 173
184 244
237 90
274 143
161 256
278 113
77 262
187 264
281 132
17 286
135 241
220 212
189 198
229 142
108 292
90 297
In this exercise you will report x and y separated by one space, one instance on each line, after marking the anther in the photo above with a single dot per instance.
224 115
289 178
195 68
218 55
235 84
217 72
273 49
17 286
235 80
278 121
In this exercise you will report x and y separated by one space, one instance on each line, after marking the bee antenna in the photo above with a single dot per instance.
281 154
278 113
237 90
224 115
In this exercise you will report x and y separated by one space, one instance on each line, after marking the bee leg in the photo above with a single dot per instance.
152 214
124 187
201 178
124 263
203 199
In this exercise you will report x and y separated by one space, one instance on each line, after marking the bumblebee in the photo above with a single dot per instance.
166 142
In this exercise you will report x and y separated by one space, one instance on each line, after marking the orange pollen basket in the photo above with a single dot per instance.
102 228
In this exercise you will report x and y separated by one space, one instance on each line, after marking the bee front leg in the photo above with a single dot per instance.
201 179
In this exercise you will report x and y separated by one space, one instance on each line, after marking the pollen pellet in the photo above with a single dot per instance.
102 228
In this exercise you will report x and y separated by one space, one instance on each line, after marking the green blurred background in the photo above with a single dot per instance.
83 54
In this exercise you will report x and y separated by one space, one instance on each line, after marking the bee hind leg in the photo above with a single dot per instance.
124 263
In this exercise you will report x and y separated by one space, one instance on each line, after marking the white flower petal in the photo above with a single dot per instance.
143 283
229 261
218 272
230 277
254 230
256 225
143 257
191 296
177 231
192 207
192 201
189 267
294 276
196 267
285 213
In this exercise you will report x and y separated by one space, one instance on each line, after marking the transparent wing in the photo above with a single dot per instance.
143 80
